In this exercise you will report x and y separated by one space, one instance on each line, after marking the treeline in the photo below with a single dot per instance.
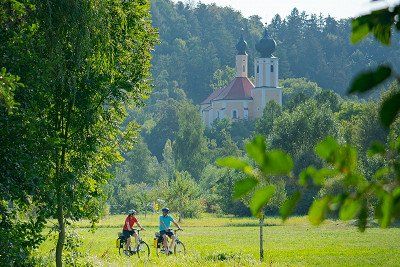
173 163
198 40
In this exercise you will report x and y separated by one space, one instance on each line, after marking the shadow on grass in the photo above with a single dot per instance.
250 224
222 256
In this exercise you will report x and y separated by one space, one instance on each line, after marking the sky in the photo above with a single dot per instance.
268 8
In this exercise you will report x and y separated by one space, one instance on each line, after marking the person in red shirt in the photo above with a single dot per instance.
128 230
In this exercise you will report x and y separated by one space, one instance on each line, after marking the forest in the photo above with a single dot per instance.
197 55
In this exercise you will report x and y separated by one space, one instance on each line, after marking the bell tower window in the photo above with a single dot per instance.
272 68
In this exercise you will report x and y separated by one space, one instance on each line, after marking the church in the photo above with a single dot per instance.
241 99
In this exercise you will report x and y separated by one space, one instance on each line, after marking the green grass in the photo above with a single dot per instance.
228 241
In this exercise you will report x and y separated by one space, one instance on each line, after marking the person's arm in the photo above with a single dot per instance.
140 226
176 224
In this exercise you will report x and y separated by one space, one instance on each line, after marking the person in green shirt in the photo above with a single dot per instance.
165 223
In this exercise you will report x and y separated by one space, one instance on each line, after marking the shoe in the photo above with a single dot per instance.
127 253
170 253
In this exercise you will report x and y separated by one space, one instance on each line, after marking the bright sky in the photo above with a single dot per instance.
268 8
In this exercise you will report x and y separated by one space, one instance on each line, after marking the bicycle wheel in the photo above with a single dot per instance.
179 248
143 250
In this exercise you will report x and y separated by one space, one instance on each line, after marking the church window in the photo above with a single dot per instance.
272 68
234 114
244 68
245 113
258 69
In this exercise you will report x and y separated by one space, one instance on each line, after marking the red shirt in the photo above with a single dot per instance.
131 220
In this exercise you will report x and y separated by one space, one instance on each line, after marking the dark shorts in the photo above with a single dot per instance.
168 233
127 233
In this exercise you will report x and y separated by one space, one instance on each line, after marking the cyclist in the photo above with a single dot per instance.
165 223
128 230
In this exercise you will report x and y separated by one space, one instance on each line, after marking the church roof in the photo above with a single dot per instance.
238 89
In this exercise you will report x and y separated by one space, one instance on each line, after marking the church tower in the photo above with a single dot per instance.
266 69
241 58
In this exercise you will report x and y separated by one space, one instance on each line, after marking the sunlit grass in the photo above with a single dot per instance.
230 241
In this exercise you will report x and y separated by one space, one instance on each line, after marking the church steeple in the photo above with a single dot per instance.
241 57
266 46
266 66
241 46
266 69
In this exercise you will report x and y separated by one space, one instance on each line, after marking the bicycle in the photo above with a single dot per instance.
179 247
142 249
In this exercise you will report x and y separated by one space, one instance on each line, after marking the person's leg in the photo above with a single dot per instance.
165 242
128 243
135 235
172 242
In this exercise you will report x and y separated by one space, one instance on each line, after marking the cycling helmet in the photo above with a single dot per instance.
132 211
165 210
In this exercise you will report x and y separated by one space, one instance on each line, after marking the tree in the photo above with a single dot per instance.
181 194
222 77
190 146
264 124
83 70
259 180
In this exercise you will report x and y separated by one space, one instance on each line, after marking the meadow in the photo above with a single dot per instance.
230 241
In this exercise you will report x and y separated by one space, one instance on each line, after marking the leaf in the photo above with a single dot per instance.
379 23
307 175
368 80
261 198
359 31
244 186
350 209
256 149
318 210
288 206
386 207
326 147
381 173
377 148
232 162
320 176
235 163
390 109
277 162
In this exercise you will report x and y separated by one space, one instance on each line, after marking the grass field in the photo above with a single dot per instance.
228 241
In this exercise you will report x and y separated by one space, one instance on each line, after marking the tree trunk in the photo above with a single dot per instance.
61 235
261 238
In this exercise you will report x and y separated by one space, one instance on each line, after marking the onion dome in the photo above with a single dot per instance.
241 46
266 46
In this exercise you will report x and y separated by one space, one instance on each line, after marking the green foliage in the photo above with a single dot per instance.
289 205
379 23
82 63
368 80
390 109
190 146
260 199
218 189
222 77
181 194
269 164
